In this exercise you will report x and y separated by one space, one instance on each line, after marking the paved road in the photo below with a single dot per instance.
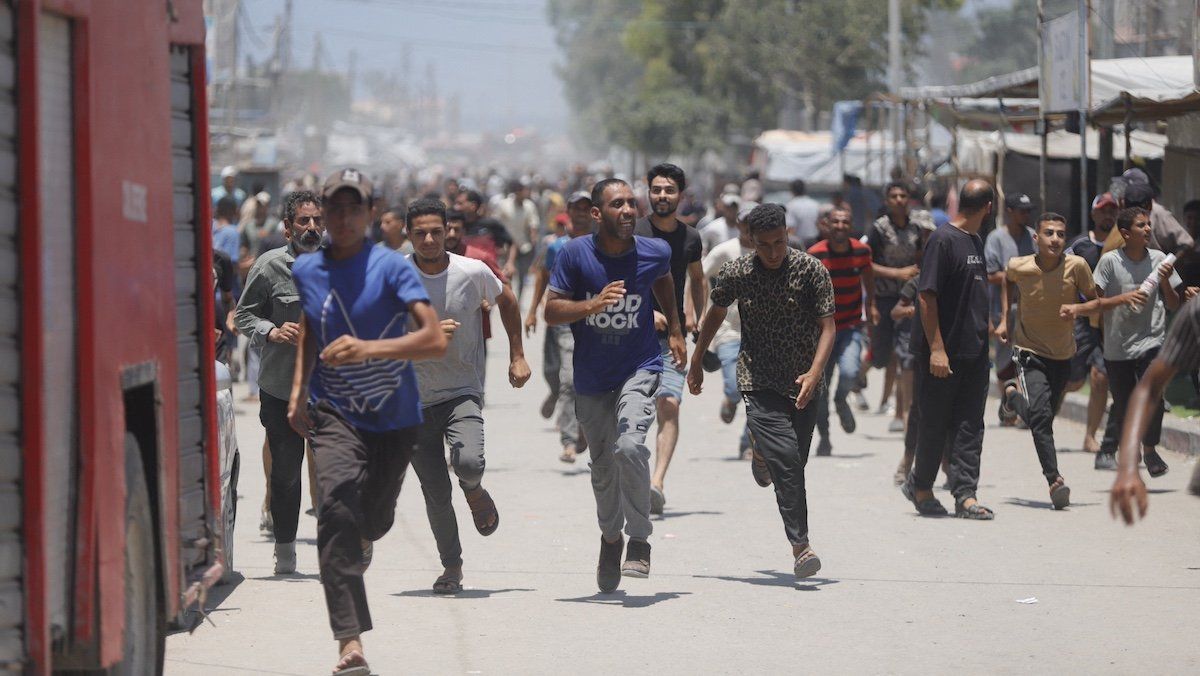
897 594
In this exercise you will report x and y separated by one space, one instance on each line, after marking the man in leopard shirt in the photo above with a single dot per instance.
785 300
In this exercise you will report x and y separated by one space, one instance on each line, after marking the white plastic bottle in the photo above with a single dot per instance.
1151 282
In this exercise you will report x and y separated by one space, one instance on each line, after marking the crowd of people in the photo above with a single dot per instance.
366 326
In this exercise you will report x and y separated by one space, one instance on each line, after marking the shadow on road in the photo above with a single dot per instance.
293 577
698 512
620 598
212 604
775 578
464 594
1039 504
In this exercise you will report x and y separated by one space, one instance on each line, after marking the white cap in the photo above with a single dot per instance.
264 197
229 172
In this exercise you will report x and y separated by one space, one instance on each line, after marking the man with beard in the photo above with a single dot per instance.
1087 366
451 388
786 302
666 184
1015 239
601 286
354 395
482 232
269 315
559 349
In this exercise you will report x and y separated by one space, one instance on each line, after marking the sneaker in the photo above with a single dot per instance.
845 416
637 559
824 448
885 408
549 404
1106 460
860 402
896 425
285 558
1155 465
608 571
266 523
658 500
728 410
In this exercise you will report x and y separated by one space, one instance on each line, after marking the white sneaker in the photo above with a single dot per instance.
285 558
886 409
897 425
860 401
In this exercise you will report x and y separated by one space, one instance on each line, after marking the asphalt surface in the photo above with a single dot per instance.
897 593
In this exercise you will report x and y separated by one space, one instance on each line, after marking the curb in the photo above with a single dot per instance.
1181 435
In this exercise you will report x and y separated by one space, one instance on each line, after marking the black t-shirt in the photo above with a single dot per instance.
686 248
954 270
1085 248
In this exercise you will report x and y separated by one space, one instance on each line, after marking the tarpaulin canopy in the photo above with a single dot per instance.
784 155
977 150
1155 87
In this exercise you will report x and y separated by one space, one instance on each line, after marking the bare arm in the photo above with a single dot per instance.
810 381
563 310
698 288
664 293
939 361
510 316
868 281
903 274
427 342
306 358
540 282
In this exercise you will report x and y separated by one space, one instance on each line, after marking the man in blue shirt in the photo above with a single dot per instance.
354 394
601 285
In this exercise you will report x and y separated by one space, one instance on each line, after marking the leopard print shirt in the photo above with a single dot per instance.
779 310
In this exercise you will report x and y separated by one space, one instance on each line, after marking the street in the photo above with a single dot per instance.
896 593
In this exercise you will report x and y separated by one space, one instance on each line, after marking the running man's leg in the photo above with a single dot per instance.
287 457
598 421
568 423
635 415
667 401
429 463
1034 403
782 436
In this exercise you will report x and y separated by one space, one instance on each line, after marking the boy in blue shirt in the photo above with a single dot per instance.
354 395
601 286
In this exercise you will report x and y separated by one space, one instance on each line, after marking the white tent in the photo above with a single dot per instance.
978 150
784 155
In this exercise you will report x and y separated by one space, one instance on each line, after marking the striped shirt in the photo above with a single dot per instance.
846 271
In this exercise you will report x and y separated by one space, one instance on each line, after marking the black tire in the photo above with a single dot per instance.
145 629
228 521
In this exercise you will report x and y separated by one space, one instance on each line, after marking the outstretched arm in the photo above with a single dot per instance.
510 316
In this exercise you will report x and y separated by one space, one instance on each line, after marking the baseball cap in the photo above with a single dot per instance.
1138 193
1104 200
744 212
1018 200
730 200
1135 176
347 178
577 196
228 172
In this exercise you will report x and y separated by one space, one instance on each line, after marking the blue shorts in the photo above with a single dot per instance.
671 384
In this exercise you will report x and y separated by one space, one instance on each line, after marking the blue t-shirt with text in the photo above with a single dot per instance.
366 296
612 344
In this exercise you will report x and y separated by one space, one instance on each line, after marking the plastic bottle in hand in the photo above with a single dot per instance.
1151 282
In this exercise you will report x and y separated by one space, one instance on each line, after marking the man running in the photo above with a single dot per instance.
1047 286
848 261
559 347
451 388
951 371
785 300
354 395
667 183
269 315
601 286
1002 245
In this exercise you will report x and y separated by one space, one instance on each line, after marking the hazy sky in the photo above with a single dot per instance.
498 55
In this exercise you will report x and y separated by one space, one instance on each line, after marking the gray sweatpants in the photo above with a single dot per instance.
558 362
458 423
615 425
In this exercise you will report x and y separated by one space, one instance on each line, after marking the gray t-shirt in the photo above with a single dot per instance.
456 293
1129 333
1000 247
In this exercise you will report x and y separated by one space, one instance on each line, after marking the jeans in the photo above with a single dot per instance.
359 474
847 356
951 413
1123 376
459 424
782 435
615 424
1043 382
287 456
728 354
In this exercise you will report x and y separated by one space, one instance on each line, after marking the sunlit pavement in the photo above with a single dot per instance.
896 593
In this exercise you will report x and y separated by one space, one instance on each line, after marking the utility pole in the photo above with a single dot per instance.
1041 28
1085 102
895 78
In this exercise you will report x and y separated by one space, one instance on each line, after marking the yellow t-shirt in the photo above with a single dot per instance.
1039 329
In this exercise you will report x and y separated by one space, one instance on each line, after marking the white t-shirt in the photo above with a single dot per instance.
457 293
802 213
719 230
731 328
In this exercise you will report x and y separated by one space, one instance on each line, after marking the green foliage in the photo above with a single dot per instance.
683 76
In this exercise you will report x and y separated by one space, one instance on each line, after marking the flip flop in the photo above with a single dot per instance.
447 584
358 667
483 508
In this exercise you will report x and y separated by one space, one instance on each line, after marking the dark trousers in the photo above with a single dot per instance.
951 413
1123 376
359 475
782 435
1043 381
287 456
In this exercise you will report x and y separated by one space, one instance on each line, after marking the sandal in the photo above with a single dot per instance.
975 512
352 664
1060 494
758 467
447 584
568 456
483 509
926 507
807 564
1008 414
